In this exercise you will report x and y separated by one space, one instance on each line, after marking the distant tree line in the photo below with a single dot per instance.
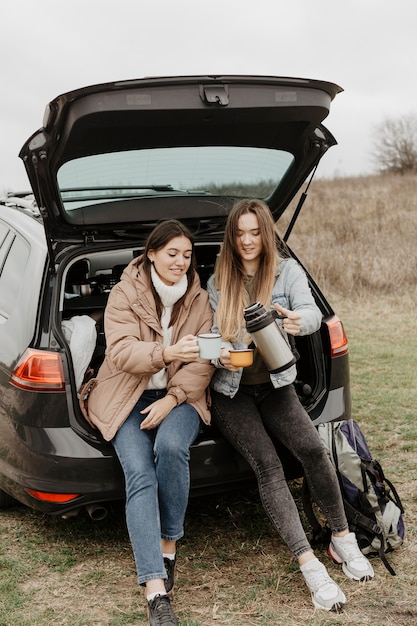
395 145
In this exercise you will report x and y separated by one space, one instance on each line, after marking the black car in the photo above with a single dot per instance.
109 162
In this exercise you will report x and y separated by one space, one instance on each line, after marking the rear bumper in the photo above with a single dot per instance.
60 461
337 407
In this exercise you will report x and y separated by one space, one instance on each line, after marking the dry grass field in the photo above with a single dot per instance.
357 237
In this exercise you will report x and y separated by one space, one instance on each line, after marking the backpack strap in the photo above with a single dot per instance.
321 534
359 520
380 479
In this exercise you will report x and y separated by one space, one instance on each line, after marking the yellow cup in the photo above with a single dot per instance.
241 358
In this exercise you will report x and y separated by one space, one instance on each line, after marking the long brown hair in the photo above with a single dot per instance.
230 274
161 235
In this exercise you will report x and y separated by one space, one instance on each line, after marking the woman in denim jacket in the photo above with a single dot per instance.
254 409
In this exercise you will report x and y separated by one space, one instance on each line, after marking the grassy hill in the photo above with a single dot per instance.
357 236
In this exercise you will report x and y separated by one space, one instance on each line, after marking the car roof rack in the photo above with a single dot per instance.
24 200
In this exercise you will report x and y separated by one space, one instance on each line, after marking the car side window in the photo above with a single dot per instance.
12 270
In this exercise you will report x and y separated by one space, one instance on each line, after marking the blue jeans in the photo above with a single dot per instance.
255 418
156 469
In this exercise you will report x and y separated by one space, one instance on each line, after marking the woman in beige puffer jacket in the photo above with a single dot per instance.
151 394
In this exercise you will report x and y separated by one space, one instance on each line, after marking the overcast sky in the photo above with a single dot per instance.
368 47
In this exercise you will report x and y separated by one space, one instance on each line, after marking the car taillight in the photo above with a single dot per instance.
52 497
39 370
338 340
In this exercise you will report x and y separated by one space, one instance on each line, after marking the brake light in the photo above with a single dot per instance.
52 497
338 340
39 370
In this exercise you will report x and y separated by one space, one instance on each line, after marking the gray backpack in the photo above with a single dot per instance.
372 505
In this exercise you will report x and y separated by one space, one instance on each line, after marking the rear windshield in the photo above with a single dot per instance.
211 170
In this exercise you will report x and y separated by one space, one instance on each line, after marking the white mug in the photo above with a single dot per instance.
209 345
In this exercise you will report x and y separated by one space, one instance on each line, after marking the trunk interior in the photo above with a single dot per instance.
87 283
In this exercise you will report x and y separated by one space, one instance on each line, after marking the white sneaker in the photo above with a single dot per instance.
345 550
325 593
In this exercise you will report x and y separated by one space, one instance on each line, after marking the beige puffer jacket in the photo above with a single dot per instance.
134 353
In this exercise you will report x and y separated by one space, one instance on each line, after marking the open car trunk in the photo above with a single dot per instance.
85 287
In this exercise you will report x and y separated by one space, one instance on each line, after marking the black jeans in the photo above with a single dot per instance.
257 416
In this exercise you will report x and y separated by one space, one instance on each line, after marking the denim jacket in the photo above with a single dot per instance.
291 291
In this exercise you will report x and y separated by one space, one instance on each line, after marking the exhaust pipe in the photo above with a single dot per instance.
97 512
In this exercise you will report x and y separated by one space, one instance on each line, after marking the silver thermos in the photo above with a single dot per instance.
261 325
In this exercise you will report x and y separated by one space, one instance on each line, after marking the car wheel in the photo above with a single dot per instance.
6 500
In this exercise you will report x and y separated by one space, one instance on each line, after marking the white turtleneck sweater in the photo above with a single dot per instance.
169 295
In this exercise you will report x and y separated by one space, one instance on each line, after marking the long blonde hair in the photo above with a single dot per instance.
229 272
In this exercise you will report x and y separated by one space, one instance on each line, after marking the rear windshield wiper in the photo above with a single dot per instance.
108 192
128 192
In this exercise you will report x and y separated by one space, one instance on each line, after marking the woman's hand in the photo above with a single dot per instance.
225 360
185 350
292 322
157 412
